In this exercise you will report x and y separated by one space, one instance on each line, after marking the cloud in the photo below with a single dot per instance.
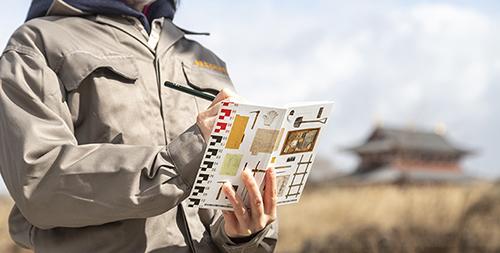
404 64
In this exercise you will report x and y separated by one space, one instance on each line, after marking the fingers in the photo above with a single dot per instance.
222 95
240 210
206 120
270 194
241 222
212 111
256 203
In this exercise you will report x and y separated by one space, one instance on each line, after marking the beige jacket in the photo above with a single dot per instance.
99 155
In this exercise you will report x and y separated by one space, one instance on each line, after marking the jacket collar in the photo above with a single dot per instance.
169 35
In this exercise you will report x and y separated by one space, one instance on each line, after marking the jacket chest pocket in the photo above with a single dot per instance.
79 66
209 79
104 96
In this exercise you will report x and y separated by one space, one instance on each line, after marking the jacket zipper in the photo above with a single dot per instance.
180 209
158 81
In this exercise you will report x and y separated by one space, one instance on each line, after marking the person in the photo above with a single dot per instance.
98 155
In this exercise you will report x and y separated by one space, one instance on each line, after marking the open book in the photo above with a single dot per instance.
256 138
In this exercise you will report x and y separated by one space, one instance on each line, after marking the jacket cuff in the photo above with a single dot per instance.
227 245
186 152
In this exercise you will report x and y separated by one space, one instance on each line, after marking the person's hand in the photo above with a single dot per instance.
243 222
206 119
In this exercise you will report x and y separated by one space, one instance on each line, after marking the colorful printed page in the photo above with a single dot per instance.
254 138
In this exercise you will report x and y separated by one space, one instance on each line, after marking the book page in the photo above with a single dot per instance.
256 138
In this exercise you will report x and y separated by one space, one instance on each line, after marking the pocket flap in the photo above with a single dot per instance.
206 79
79 65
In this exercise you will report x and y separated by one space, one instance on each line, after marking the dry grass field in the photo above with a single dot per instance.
4 237
386 218
6 245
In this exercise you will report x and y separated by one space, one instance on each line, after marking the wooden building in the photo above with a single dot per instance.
391 154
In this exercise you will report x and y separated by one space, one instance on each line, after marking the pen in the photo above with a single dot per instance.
190 91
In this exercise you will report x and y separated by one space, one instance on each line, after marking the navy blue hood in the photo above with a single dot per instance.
160 8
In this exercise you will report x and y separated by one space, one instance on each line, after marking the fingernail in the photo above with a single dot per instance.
244 173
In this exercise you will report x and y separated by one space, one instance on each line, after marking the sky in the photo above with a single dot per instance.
410 64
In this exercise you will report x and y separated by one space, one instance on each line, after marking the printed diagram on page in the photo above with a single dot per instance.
254 138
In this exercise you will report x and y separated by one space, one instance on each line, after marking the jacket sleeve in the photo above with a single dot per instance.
57 183
263 242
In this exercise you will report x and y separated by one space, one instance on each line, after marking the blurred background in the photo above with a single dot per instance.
409 161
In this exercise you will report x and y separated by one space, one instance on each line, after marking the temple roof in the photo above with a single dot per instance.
388 139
